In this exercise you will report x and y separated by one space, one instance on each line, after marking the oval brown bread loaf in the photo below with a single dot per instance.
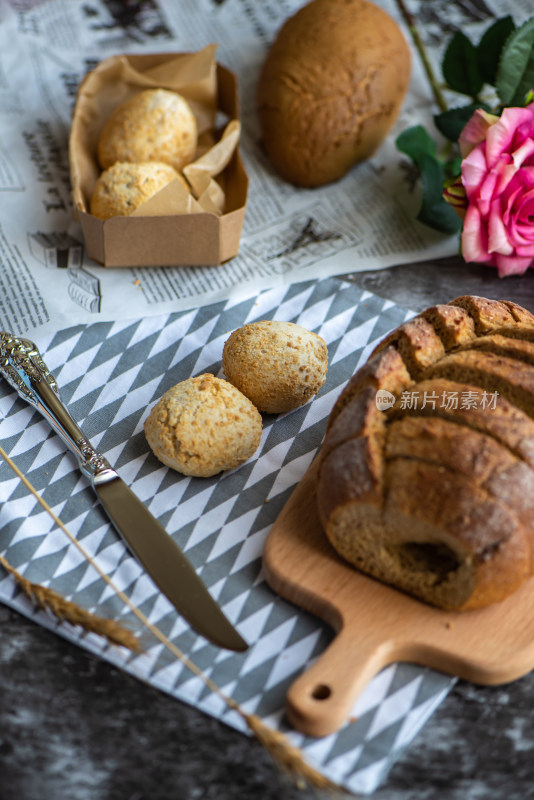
278 365
203 426
331 88
426 474
124 187
153 125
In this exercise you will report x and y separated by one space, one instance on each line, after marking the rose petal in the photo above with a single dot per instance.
474 169
525 208
498 239
500 136
506 174
474 237
475 130
522 226
523 245
508 200
511 265
525 251
526 175
517 202
486 192
523 152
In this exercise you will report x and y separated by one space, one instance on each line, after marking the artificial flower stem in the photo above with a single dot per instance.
409 19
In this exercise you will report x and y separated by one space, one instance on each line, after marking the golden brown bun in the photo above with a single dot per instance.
154 125
122 188
277 365
435 493
203 426
331 88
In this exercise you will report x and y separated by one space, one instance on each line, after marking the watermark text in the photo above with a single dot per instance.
448 400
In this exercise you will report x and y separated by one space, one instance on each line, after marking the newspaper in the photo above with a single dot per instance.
365 221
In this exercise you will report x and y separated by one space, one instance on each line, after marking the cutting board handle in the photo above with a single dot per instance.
378 625
321 699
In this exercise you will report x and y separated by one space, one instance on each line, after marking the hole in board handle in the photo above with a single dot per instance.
321 692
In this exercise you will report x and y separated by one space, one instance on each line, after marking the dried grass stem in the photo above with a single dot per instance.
68 611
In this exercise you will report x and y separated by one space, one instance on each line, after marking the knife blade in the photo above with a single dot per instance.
22 366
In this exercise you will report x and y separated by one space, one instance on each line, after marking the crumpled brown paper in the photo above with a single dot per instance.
194 76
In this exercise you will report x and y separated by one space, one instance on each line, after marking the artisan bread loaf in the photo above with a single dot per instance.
433 490
153 125
331 88
203 426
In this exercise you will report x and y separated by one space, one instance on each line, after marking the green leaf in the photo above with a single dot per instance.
452 122
453 167
515 73
460 66
415 142
435 211
490 47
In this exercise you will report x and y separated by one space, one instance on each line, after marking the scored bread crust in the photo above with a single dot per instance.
435 495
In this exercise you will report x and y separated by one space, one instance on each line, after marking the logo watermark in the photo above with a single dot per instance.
451 401
384 400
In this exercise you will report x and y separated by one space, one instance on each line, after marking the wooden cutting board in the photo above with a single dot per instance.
376 625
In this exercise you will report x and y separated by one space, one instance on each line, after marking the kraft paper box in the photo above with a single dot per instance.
173 228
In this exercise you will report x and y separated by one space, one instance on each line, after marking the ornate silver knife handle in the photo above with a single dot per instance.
22 366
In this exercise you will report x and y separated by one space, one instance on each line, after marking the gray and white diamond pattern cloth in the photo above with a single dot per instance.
110 375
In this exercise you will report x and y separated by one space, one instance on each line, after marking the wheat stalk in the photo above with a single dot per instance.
66 610
285 755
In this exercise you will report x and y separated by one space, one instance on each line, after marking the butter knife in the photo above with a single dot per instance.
22 366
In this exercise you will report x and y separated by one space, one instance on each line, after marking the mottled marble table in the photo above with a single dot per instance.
75 728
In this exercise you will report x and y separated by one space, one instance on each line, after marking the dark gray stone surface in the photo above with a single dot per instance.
417 286
75 728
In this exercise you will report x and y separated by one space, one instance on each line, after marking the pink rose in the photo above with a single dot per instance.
498 177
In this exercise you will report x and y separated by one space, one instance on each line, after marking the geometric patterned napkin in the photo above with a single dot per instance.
110 375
